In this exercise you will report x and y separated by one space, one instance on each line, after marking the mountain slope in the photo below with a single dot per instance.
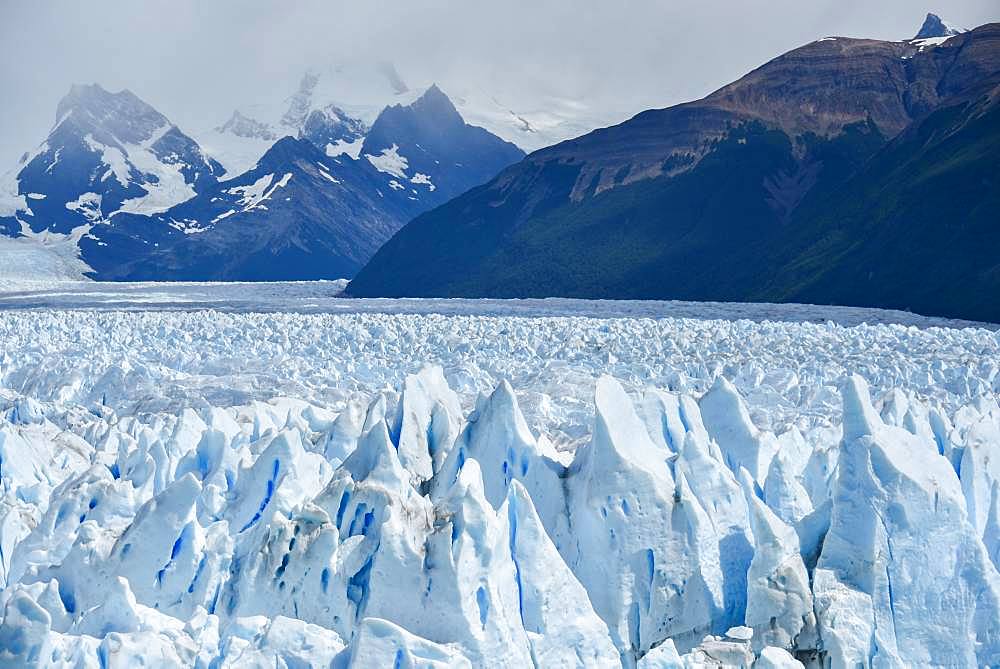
429 141
931 198
297 215
706 200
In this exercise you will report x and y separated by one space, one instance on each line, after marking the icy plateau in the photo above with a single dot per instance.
215 489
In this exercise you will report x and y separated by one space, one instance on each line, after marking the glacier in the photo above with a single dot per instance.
460 484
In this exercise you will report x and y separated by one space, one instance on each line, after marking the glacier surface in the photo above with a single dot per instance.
491 485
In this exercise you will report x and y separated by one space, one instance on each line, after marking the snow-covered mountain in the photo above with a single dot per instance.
107 153
298 214
331 108
144 200
302 212
428 143
334 106
138 195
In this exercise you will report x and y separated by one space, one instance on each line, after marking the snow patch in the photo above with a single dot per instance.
423 179
88 205
113 158
390 161
926 42
252 194
168 186
225 214
342 148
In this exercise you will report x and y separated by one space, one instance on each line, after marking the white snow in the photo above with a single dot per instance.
330 177
113 158
341 147
55 161
922 44
88 205
252 194
423 179
225 214
325 172
282 183
169 187
390 161
267 475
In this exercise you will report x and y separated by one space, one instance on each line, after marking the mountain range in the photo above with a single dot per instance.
333 105
144 201
847 171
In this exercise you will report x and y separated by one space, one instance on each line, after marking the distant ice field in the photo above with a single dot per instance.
163 347
324 297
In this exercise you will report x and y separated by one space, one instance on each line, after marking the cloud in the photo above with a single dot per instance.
196 61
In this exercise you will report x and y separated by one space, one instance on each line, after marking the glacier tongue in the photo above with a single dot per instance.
419 531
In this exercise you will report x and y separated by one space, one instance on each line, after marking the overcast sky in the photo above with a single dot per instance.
196 60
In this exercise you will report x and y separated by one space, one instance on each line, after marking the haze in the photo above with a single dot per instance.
197 61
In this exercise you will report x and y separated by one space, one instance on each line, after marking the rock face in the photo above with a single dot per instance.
243 126
332 126
731 197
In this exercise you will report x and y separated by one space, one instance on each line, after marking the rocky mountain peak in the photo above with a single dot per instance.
435 104
300 103
245 126
285 151
331 125
122 115
935 26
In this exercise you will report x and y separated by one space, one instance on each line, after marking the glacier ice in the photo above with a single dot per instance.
903 577
220 490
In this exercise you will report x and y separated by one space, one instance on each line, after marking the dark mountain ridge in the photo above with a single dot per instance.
732 197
